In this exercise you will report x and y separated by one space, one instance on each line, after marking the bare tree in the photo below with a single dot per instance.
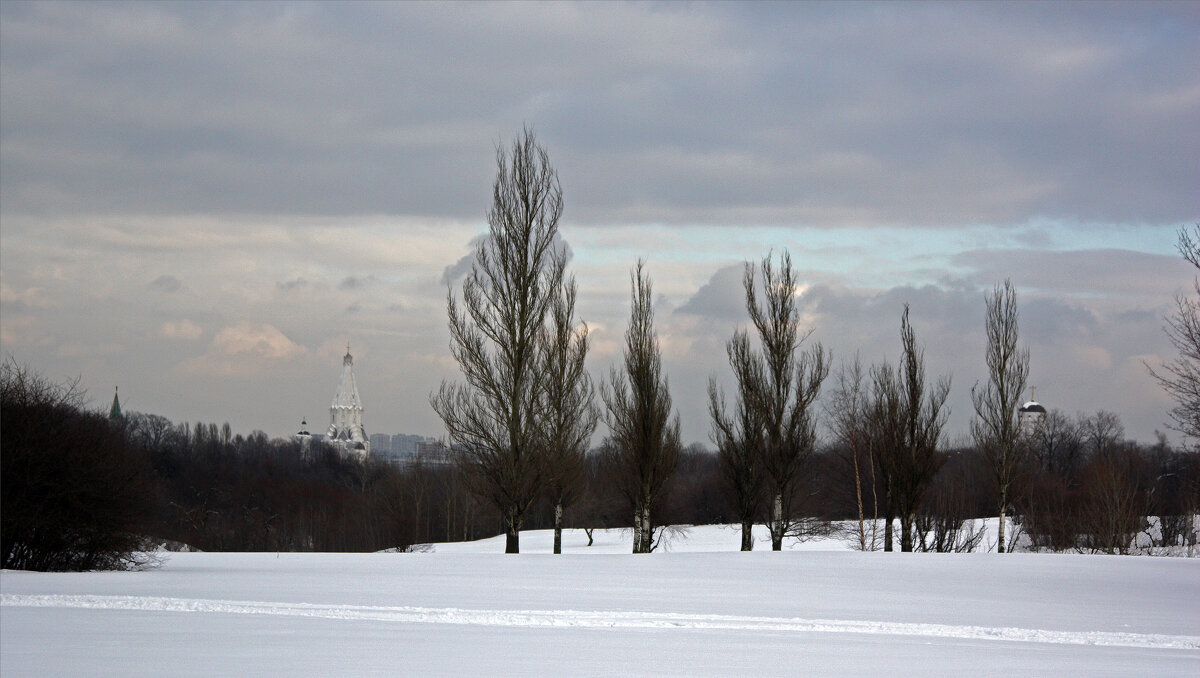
785 385
739 437
1059 444
569 409
995 427
921 416
847 412
1114 504
493 419
1102 432
1181 376
885 424
944 523
645 435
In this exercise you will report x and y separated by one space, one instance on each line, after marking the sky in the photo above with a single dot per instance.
203 204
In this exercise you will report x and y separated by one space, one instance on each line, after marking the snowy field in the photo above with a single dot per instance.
699 609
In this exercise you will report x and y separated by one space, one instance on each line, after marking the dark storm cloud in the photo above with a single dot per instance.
879 113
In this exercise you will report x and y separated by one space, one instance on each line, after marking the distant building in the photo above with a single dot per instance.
346 430
1030 417
405 445
432 452
114 412
381 444
304 436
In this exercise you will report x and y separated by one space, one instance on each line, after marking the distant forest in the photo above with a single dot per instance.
80 487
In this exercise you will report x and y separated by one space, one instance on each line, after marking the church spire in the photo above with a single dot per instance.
346 412
114 412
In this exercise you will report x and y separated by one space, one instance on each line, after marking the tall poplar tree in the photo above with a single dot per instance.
644 439
787 381
995 427
494 417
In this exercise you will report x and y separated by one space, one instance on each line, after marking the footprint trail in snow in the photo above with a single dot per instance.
601 620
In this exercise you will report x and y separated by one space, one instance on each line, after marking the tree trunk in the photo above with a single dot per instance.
558 511
906 523
777 523
512 536
888 529
647 530
747 534
862 533
588 532
1003 506
637 529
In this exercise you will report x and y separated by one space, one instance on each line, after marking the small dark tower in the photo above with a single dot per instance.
114 412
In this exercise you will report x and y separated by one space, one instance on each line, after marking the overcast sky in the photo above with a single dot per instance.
203 203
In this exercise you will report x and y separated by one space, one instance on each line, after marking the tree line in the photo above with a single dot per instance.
100 493
520 419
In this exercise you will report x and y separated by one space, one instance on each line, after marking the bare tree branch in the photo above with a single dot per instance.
1181 377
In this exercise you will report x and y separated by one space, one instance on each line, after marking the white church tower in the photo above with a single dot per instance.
1031 416
346 414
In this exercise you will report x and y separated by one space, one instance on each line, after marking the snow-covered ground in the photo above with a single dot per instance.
699 609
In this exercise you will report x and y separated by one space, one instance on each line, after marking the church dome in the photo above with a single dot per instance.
1031 407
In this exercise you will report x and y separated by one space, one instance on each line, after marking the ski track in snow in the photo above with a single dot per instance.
600 620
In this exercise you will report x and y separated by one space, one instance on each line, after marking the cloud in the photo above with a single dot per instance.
295 283
24 299
1109 272
244 349
258 340
459 269
166 283
1093 357
73 349
722 297
180 329
145 145
356 282
22 330
704 114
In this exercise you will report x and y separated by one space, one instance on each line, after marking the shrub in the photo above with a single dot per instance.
75 495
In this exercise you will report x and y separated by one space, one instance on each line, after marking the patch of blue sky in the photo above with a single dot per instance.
869 256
